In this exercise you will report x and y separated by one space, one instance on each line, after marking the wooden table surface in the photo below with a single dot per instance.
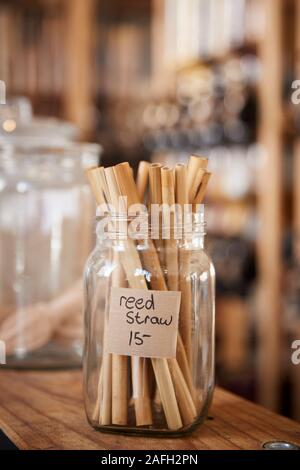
44 410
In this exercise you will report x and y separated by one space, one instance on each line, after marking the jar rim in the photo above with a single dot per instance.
37 162
44 147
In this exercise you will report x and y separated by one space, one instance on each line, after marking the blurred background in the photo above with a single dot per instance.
159 80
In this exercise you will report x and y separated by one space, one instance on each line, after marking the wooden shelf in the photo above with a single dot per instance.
44 410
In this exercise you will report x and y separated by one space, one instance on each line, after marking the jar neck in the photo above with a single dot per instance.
186 228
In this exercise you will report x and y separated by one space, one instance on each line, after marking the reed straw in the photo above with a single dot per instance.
185 367
102 409
155 197
187 407
105 385
167 393
185 317
202 189
102 412
94 177
96 412
168 199
193 189
142 179
195 163
140 367
119 363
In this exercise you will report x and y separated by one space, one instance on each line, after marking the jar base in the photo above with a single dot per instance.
163 433
49 357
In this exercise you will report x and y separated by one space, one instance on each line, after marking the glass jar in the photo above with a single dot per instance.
46 234
147 370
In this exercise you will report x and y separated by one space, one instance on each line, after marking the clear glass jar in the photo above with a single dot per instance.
165 395
46 234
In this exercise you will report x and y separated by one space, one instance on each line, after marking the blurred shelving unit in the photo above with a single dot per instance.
158 79
217 63
32 55
295 330
77 95
45 55
296 173
262 214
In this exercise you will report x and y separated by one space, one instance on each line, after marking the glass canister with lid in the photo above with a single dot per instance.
45 236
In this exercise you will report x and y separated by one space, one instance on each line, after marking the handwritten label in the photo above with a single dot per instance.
142 322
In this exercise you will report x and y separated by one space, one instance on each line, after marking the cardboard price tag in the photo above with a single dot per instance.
142 322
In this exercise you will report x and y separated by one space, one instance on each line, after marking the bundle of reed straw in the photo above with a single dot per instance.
169 268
